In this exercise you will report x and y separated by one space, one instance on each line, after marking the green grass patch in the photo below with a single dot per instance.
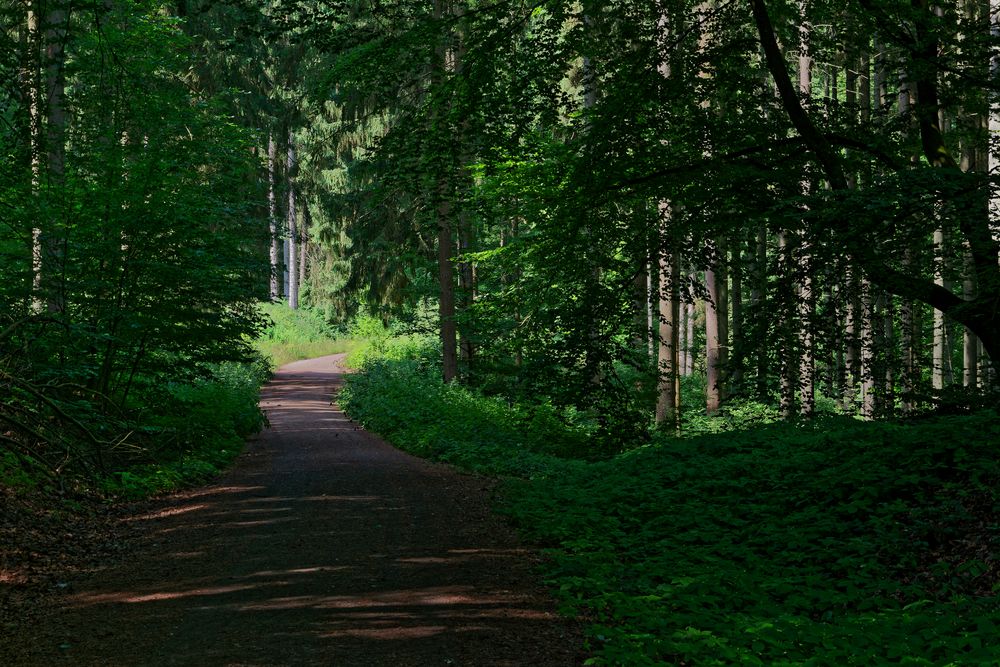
299 334
835 542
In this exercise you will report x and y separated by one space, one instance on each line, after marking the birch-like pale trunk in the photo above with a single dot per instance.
668 402
272 215
715 342
293 239
806 304
938 362
33 82
867 336
788 362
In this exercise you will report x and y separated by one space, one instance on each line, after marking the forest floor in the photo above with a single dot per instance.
322 546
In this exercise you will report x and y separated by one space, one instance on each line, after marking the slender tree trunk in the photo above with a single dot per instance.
736 301
668 358
651 301
303 247
669 395
691 316
714 342
867 351
683 341
806 305
888 308
272 218
970 377
449 334
445 242
467 287
940 329
293 239
908 352
49 240
807 356
757 294
908 337
285 254
789 365
35 103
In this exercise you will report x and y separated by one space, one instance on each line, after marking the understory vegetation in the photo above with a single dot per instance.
294 335
831 541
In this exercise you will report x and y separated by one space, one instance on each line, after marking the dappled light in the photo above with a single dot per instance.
323 542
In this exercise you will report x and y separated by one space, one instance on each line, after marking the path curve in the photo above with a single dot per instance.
322 546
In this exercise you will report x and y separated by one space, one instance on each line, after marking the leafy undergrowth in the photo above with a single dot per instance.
198 430
407 403
298 334
833 543
188 435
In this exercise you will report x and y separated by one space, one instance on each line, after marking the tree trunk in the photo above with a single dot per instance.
48 240
940 329
736 316
758 274
715 342
867 323
293 239
979 316
691 316
446 270
887 305
651 270
446 305
467 288
668 359
970 377
272 218
806 305
789 365
303 246
34 85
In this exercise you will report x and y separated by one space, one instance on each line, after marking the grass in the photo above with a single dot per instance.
835 542
299 334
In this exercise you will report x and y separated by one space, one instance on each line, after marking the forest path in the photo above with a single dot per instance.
322 546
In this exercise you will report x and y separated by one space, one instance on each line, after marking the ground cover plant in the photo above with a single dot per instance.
831 542
298 334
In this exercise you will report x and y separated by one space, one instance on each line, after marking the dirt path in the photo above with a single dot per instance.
323 546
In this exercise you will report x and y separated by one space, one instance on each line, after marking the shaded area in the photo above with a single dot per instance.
323 546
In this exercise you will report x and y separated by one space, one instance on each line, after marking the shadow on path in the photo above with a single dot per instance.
322 546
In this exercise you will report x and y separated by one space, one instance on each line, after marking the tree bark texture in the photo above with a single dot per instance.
293 241
272 209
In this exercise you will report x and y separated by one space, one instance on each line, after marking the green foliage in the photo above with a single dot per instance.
298 334
407 403
146 205
832 542
198 431
381 343
836 543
